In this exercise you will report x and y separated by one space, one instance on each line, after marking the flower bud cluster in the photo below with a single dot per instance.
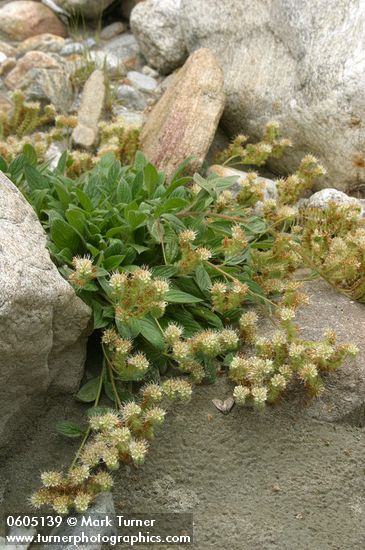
274 267
228 296
191 256
128 367
302 180
333 239
84 272
280 359
138 294
191 354
115 437
236 244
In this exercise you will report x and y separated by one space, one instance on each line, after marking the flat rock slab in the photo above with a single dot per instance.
256 481
276 479
184 121
344 397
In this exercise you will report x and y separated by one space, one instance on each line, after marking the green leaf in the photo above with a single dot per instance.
164 271
171 242
187 321
62 163
89 391
179 297
3 164
151 332
77 219
124 192
170 204
16 167
202 278
206 185
35 180
65 236
150 177
140 161
98 312
30 154
84 199
130 330
113 262
69 429
206 315
156 230
135 218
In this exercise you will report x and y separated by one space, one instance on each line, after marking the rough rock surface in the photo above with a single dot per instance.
323 197
185 119
113 30
43 323
344 396
90 9
91 109
156 25
49 86
274 480
46 42
30 60
300 63
22 19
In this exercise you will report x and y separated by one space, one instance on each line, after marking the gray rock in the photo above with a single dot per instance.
177 126
131 98
91 109
142 82
72 48
49 86
109 61
104 506
43 324
344 397
131 118
323 197
90 9
295 62
123 47
90 42
149 71
156 25
112 30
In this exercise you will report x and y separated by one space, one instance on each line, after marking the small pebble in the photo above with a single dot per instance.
113 30
142 82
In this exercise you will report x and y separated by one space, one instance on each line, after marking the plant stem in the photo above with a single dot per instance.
234 279
111 377
87 433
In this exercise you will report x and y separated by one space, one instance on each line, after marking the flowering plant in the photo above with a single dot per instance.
170 271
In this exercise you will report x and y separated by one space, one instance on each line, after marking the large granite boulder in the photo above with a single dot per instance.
300 63
156 26
43 324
